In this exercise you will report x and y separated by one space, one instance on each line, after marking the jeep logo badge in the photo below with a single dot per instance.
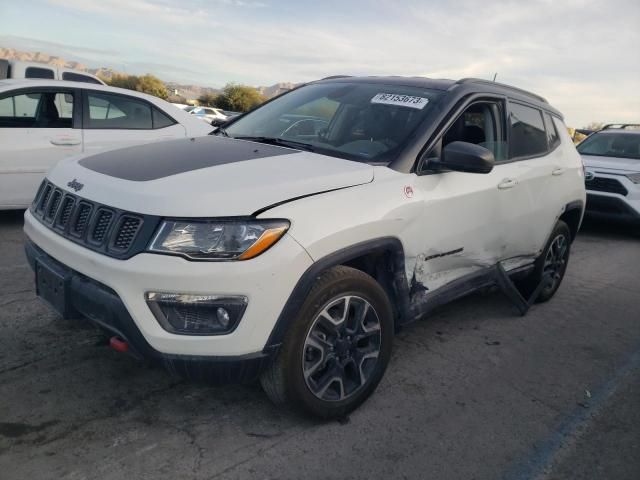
588 176
75 184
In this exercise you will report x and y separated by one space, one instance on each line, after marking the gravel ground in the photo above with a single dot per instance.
474 392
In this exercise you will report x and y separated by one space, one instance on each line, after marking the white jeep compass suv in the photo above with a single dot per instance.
290 246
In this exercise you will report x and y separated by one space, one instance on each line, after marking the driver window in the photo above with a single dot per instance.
481 124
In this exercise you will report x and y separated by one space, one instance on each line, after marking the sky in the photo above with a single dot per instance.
582 55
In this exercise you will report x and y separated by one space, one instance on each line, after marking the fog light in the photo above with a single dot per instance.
187 314
223 317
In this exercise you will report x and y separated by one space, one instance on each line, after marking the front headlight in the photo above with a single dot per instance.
217 239
634 177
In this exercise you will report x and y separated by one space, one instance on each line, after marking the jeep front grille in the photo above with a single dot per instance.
111 231
101 225
127 231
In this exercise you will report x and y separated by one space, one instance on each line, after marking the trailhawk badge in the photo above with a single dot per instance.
75 184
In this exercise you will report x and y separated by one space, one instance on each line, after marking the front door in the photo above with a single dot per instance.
461 230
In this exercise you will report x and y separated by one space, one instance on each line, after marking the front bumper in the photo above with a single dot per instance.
614 196
101 305
267 281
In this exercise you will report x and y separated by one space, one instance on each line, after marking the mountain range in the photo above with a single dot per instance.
183 90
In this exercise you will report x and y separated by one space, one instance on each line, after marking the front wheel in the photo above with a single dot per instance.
337 348
551 265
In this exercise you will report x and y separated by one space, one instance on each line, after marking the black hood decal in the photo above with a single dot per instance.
158 160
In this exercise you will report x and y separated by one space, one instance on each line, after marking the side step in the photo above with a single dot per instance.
512 293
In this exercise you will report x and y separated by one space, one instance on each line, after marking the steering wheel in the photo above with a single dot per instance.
296 125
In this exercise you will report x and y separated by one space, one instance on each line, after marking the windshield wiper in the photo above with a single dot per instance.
220 131
279 141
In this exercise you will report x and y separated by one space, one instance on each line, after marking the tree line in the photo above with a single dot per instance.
234 97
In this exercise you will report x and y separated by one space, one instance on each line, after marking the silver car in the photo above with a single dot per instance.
612 172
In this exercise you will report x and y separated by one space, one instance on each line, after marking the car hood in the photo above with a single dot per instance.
205 177
624 165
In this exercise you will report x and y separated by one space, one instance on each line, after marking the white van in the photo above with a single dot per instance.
18 69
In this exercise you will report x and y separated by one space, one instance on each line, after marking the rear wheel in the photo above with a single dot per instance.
338 347
551 264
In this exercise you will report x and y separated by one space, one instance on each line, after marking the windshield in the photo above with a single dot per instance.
623 145
369 122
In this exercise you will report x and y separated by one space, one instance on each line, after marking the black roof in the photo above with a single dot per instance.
420 82
463 86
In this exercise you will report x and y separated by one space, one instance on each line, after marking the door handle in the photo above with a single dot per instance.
558 171
507 183
65 142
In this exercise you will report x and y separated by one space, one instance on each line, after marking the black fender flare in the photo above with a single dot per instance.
310 276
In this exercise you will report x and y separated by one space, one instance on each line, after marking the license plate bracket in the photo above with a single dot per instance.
52 285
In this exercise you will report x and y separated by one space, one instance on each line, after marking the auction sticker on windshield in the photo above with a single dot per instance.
400 100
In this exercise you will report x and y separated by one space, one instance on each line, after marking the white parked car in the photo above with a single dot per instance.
208 114
279 251
45 121
612 172
17 69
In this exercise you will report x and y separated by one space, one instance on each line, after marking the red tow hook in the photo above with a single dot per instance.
118 344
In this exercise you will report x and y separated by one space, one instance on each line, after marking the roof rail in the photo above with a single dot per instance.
489 82
336 76
620 126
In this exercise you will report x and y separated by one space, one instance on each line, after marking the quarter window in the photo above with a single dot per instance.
108 111
527 136
552 134
161 120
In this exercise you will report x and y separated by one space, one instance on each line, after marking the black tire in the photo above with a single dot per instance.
528 285
284 381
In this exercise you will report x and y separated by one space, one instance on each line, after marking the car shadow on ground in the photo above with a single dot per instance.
610 229
11 217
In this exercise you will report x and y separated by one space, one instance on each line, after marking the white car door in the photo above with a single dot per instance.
531 201
460 228
38 128
114 121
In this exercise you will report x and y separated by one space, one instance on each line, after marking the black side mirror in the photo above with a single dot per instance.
218 122
467 157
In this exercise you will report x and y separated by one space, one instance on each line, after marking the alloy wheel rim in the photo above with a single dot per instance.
342 348
555 261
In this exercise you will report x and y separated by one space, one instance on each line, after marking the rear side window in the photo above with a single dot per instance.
107 111
552 134
78 77
37 72
161 120
527 135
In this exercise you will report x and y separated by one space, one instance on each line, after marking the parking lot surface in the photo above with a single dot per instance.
473 392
